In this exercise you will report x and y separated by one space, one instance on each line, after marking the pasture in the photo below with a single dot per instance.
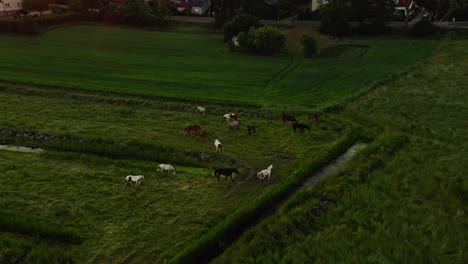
404 198
116 101
159 218
195 66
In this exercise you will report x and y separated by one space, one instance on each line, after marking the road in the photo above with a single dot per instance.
288 22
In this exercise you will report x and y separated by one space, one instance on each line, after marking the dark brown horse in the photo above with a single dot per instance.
313 116
288 118
193 128
225 171
300 126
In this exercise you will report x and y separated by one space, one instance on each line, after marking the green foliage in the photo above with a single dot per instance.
238 23
309 45
335 19
162 13
37 5
36 227
138 12
423 28
265 40
28 26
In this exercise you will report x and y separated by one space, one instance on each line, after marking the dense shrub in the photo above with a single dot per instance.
137 12
28 26
239 23
266 40
335 20
309 45
423 28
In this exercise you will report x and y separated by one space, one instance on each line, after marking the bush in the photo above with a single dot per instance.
266 40
423 28
28 26
239 23
334 21
309 45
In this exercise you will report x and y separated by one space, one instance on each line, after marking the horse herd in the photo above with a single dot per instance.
232 123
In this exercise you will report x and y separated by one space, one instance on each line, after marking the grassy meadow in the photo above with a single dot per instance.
108 102
404 198
195 66
157 220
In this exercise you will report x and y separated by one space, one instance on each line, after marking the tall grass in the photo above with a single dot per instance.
14 250
32 226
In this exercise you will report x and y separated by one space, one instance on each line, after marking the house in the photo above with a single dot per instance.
10 7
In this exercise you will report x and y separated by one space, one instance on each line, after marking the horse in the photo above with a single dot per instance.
166 167
202 133
200 110
225 171
313 116
229 117
218 146
288 118
301 127
265 173
251 130
232 125
193 128
134 178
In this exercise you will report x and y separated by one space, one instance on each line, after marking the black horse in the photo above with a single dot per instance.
288 118
225 171
300 126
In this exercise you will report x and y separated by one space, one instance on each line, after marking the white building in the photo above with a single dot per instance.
9 7
315 4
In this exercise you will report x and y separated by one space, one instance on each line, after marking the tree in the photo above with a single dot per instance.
335 18
137 12
292 7
266 40
37 5
309 45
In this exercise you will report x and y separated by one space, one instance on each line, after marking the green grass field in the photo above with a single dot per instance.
402 200
118 76
157 220
194 66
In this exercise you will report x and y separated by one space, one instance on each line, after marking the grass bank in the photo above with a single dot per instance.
396 205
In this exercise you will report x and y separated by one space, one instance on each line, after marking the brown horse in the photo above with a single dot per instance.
313 116
193 128
202 133
288 118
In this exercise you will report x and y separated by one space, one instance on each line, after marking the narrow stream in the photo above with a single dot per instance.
331 168
21 149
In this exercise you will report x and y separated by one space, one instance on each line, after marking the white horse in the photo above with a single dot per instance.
137 179
166 167
229 117
200 110
265 173
218 146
